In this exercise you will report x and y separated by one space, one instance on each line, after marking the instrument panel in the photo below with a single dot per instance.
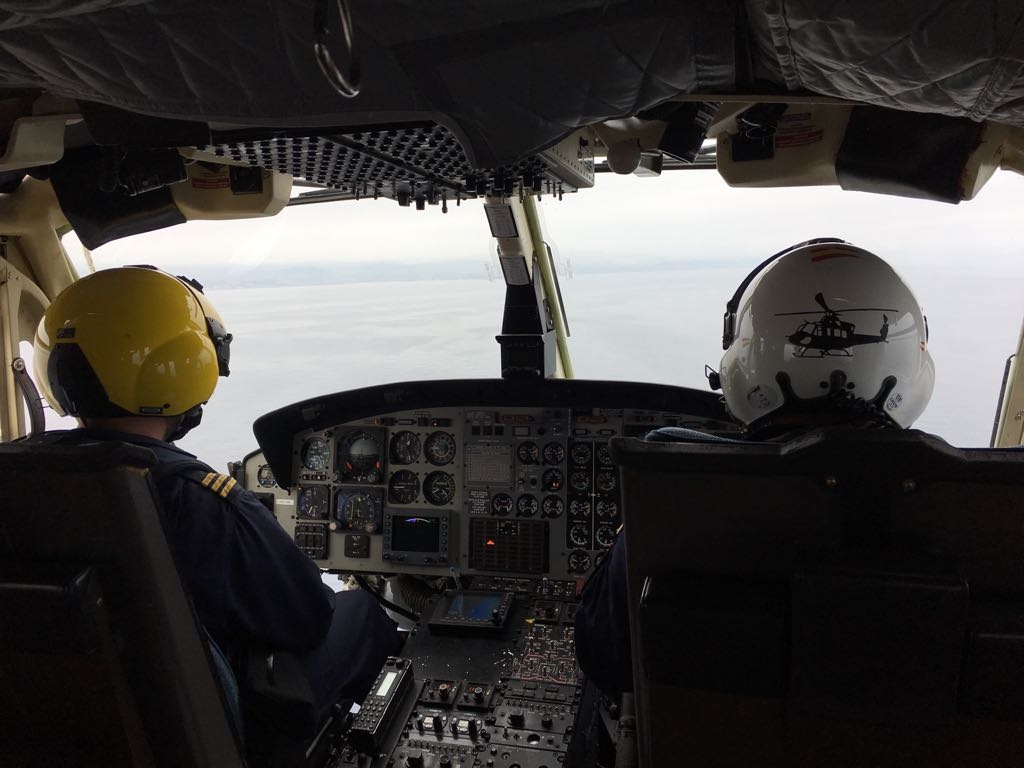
486 488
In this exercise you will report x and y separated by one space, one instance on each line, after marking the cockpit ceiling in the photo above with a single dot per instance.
504 79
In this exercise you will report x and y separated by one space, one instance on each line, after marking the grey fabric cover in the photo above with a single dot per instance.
509 77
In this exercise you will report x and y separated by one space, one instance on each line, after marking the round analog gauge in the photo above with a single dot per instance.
265 477
580 481
501 504
605 535
604 456
316 453
359 457
439 448
552 506
552 480
528 453
579 508
313 502
403 487
554 453
607 509
358 510
439 488
580 454
405 447
606 481
526 505
579 535
579 561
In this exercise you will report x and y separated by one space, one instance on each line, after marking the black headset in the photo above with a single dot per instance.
732 305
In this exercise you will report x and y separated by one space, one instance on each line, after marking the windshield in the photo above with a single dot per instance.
336 296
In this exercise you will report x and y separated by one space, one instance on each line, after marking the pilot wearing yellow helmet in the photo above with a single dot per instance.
135 353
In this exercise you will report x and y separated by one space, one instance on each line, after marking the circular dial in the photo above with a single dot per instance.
579 508
604 535
439 488
316 453
607 509
359 457
552 506
580 454
404 487
358 510
405 447
501 504
580 481
579 561
604 456
579 535
265 477
313 502
552 480
606 481
526 505
439 448
554 453
528 453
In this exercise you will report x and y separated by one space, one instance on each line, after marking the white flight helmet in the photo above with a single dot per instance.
825 326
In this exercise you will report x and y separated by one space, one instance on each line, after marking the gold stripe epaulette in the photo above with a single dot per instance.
222 485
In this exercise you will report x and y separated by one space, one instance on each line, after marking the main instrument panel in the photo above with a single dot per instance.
500 478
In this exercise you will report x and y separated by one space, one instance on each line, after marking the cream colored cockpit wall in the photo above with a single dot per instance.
34 267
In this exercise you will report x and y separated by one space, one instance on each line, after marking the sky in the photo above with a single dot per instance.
964 262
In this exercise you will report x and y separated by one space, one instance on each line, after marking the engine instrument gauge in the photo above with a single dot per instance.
265 476
579 535
439 488
554 453
405 447
359 457
580 454
404 487
607 509
359 510
579 508
501 504
604 456
316 454
579 561
313 503
552 506
604 535
439 448
526 505
606 481
580 481
528 453
552 480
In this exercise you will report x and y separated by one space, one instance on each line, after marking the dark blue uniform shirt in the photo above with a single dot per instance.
252 586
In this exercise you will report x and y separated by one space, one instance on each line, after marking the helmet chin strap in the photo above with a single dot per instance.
186 422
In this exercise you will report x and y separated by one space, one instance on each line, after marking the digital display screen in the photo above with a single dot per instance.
415 533
385 686
476 607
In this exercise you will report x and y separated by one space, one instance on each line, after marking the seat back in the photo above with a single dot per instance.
102 661
851 598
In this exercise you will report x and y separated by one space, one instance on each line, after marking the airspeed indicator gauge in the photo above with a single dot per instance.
405 447
315 454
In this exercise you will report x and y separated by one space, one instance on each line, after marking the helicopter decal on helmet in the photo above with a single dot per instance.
829 336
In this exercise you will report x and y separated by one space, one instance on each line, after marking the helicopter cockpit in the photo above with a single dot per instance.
475 506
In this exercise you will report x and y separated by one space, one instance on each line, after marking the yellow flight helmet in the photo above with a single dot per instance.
131 341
